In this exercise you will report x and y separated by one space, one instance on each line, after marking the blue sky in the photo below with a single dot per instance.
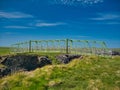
22 20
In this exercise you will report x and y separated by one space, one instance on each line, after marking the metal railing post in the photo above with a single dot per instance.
67 46
30 46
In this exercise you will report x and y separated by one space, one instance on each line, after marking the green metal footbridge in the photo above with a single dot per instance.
68 46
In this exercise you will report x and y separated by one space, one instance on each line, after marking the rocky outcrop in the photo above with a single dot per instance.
2 58
66 58
29 62
115 53
4 71
25 62
22 63
43 60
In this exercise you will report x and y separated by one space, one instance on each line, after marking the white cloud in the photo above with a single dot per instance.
102 16
17 27
43 24
90 1
14 15
78 2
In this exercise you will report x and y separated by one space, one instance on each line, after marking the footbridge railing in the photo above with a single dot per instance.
63 46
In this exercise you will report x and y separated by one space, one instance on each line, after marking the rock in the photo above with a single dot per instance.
43 60
4 71
114 53
25 62
2 58
67 58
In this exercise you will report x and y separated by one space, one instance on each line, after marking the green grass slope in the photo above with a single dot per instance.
89 73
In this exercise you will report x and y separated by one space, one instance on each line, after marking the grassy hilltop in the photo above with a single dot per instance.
89 73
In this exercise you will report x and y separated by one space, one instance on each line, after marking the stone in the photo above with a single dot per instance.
4 71
66 58
25 62
43 60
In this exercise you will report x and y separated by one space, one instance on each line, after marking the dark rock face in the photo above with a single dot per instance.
29 62
43 60
2 58
4 71
67 58
114 53
25 62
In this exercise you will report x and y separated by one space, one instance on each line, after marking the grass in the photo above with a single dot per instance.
4 50
116 49
89 73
